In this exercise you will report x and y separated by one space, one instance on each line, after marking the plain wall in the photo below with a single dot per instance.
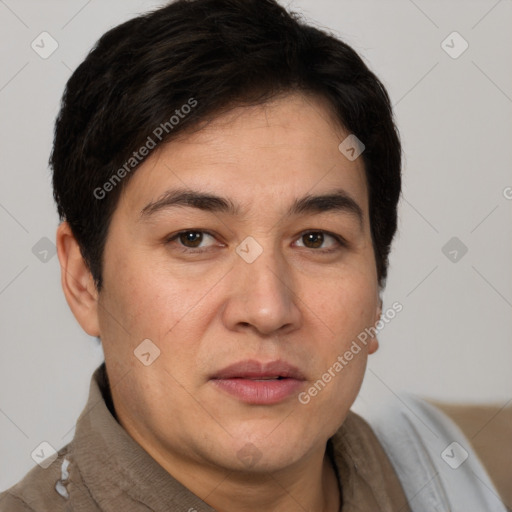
452 339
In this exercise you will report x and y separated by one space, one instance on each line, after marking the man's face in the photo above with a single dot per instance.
285 302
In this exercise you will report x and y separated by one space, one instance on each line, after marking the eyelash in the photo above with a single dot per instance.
190 250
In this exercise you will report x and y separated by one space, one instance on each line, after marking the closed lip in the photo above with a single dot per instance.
259 383
252 369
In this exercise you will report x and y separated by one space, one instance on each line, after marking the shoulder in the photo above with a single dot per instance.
41 490
489 429
11 503
434 460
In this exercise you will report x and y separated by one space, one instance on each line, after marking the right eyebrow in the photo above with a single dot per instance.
194 199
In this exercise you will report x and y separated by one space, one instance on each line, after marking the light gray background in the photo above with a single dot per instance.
451 341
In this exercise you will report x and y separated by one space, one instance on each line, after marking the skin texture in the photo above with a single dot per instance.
205 311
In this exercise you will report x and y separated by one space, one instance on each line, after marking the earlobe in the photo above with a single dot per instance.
373 346
77 281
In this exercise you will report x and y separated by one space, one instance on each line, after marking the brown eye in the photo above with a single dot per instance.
191 238
192 241
313 240
320 241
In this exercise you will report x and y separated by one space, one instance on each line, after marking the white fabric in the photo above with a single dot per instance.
434 472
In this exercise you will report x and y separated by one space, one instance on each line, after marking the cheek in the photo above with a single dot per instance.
347 308
346 305
147 299
340 357
152 303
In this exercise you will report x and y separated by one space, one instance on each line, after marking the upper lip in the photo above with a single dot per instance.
253 369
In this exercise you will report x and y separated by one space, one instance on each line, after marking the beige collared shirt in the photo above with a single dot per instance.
104 469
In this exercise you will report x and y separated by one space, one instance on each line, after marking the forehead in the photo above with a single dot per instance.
272 153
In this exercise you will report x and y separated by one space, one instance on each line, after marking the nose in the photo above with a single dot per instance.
261 296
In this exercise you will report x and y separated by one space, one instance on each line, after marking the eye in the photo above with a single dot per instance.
192 239
317 239
197 241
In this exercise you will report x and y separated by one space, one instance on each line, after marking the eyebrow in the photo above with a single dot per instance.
338 201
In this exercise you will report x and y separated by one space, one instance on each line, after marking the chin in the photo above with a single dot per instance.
264 453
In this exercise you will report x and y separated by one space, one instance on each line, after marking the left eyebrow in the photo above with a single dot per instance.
339 201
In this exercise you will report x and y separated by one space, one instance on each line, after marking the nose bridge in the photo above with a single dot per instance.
265 270
262 293
268 272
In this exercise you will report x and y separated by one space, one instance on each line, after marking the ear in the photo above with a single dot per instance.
373 346
77 281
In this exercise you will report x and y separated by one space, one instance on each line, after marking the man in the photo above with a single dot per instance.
227 179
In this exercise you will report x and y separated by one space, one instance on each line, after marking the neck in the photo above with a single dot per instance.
315 487
310 484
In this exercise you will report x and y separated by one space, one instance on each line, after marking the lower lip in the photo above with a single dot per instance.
260 392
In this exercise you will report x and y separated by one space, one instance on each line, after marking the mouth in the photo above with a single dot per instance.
257 383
